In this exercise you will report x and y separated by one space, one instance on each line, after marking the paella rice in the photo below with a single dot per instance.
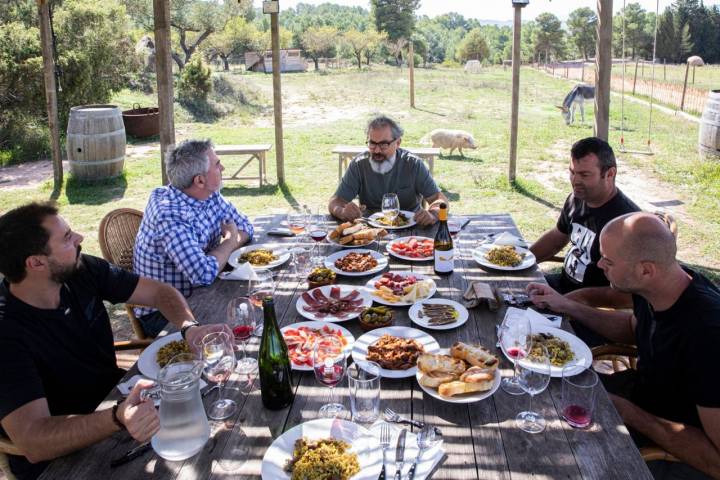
324 459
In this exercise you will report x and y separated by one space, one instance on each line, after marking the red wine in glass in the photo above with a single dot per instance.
514 352
329 375
242 332
317 235
577 416
454 229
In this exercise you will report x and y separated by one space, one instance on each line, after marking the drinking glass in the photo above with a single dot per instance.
390 209
302 256
259 288
318 233
533 371
296 221
455 227
514 335
329 366
578 396
219 359
364 384
241 320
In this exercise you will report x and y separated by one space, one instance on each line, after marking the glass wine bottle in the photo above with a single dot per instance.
444 263
273 362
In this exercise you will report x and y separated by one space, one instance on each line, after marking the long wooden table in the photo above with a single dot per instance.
481 439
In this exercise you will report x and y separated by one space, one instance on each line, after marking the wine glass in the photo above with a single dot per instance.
391 209
317 233
455 227
297 221
514 335
329 364
219 359
260 287
533 372
241 320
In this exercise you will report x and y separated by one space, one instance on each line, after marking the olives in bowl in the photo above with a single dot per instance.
375 317
321 276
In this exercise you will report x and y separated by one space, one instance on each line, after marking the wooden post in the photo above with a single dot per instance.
693 80
635 77
411 64
682 101
163 67
277 99
603 68
50 95
664 72
582 72
515 93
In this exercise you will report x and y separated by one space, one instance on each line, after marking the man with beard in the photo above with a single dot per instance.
594 201
672 399
386 168
56 342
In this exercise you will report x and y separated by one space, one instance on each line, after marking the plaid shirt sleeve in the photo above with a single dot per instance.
188 256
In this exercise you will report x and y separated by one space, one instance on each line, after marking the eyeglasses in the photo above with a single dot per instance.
382 145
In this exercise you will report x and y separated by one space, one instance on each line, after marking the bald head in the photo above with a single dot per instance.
643 237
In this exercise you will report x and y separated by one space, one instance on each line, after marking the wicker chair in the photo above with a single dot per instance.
7 448
117 233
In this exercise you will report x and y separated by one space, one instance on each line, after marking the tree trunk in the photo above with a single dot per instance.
226 63
178 60
358 55
316 64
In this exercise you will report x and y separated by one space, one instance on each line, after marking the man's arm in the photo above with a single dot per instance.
344 210
606 297
549 244
230 240
690 444
430 216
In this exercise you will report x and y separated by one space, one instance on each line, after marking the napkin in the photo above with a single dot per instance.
537 320
426 464
507 238
244 271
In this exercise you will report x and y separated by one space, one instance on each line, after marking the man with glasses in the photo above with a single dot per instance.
386 168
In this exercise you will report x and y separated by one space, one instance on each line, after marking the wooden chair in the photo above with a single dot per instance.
116 235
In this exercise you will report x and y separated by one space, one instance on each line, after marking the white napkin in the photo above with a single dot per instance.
244 271
125 387
537 320
426 464
507 238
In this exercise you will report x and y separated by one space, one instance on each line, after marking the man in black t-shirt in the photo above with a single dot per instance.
594 201
56 342
673 399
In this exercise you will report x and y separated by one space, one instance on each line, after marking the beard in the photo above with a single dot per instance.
378 157
62 273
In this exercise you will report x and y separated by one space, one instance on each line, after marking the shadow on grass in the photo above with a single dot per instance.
431 112
143 141
95 192
520 188
462 158
249 191
451 196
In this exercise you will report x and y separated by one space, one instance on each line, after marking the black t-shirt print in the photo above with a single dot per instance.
583 225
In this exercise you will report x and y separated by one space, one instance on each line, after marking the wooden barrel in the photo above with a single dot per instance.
96 142
709 134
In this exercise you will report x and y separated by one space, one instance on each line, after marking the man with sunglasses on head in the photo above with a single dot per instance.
386 168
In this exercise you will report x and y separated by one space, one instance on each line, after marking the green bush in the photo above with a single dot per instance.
195 83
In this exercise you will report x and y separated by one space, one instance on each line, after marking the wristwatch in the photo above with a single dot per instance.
184 329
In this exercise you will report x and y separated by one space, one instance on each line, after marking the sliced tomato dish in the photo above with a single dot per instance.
414 248
301 342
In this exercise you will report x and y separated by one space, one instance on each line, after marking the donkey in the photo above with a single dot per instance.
577 95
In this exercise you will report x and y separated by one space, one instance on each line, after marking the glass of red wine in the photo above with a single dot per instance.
454 227
317 233
261 286
514 335
578 396
329 363
241 319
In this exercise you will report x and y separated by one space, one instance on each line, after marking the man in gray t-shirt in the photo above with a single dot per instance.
386 168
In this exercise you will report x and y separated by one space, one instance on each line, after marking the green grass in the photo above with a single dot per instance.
324 110
706 77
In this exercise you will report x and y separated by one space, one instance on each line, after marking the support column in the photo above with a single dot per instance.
516 60
277 98
163 68
603 68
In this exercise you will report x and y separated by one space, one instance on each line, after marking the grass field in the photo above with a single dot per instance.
706 77
322 110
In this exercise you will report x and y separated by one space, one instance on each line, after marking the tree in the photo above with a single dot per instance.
638 40
359 42
582 25
548 37
395 17
666 36
319 42
236 38
473 46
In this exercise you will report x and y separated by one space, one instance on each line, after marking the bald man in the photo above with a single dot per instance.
673 399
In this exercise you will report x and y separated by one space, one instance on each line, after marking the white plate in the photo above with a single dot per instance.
344 290
414 314
583 355
479 256
372 220
147 363
364 444
282 253
381 259
370 285
344 331
389 245
360 349
466 397
338 244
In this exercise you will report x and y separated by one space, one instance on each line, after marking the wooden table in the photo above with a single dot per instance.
481 439
255 152
346 153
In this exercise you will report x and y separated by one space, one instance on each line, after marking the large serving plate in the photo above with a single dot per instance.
466 397
344 290
319 325
373 220
360 348
389 248
370 286
281 251
414 314
479 255
364 444
147 363
583 355
381 259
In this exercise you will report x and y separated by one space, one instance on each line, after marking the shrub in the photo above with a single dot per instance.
195 83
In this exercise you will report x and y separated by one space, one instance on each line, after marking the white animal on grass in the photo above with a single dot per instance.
451 139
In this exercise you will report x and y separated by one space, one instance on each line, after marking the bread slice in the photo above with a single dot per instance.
353 229
440 364
477 375
345 240
458 388
435 379
474 355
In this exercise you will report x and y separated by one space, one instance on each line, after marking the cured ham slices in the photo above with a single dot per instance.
334 304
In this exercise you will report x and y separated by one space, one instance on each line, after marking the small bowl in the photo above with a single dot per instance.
330 280
366 326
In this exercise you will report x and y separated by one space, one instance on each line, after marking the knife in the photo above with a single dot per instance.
400 455
131 454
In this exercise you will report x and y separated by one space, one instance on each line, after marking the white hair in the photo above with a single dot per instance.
186 161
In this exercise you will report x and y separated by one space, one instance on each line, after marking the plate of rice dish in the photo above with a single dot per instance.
564 349
503 257
260 256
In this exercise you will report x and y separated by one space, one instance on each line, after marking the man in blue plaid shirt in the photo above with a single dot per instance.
189 230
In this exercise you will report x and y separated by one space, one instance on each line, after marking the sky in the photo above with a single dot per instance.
499 10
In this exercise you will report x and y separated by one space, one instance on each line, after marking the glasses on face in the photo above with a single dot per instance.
382 145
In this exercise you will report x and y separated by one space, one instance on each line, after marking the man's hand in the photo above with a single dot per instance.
229 232
194 335
545 297
425 218
350 211
139 417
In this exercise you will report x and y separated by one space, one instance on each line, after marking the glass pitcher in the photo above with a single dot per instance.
184 427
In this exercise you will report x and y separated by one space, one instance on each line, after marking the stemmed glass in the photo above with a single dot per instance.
317 233
218 356
514 335
241 320
259 288
329 364
533 376
455 227
297 221
391 209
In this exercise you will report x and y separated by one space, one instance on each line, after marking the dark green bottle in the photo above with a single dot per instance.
273 362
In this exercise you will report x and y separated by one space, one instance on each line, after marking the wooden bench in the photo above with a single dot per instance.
346 153
254 151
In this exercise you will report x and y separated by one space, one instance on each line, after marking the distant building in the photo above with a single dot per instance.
291 60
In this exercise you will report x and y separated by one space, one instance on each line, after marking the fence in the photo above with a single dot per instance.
669 94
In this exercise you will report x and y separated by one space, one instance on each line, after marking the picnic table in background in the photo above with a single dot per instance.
346 153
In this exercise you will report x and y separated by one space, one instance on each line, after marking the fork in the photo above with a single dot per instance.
391 416
384 444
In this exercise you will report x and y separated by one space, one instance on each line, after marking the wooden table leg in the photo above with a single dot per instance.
261 165
340 166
